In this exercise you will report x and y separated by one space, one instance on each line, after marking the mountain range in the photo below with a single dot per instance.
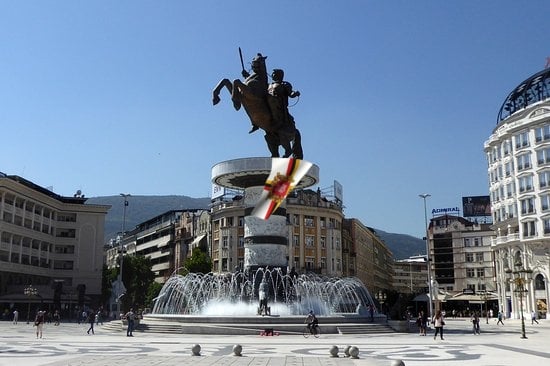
143 208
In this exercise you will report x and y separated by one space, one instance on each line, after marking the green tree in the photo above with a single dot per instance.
152 292
137 277
199 262
108 276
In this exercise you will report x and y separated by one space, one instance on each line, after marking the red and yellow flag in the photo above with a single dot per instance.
284 176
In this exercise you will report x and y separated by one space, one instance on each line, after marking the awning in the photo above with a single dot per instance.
424 297
474 298
197 240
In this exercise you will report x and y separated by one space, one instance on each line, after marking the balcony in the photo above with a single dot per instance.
505 239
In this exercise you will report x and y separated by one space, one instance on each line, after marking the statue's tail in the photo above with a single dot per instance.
297 151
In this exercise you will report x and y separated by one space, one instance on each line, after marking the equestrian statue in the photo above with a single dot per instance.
266 105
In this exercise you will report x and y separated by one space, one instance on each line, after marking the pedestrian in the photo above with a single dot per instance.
99 316
499 317
15 316
421 322
475 322
438 321
56 317
371 311
130 318
534 317
91 319
39 323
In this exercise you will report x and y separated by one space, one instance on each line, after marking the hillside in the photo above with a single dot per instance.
143 208
402 245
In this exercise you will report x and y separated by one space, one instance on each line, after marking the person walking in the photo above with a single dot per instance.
438 321
91 320
534 317
475 323
39 323
56 317
15 316
421 321
130 318
499 317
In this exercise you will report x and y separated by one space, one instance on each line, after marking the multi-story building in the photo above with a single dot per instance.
461 254
372 259
315 233
155 239
410 275
227 243
518 154
51 243
314 239
191 231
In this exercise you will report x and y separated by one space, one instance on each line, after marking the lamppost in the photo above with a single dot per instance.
430 299
381 297
121 250
519 277
29 291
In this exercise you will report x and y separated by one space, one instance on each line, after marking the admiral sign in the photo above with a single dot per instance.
445 210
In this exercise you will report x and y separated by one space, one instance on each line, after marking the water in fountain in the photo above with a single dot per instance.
237 294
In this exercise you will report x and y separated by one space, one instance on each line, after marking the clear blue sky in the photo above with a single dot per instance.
398 97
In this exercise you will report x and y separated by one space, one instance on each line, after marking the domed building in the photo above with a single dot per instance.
518 154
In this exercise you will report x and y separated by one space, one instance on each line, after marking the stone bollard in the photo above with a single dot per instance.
397 363
196 350
354 352
334 351
346 351
237 350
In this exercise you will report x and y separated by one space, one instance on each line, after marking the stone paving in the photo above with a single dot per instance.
69 345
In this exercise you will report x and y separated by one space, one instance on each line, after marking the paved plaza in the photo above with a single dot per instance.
68 344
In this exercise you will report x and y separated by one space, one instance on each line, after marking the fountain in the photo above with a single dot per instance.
236 294
235 298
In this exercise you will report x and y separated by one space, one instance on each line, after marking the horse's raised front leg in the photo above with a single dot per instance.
218 88
238 87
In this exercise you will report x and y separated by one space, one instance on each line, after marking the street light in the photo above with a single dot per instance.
519 277
121 284
430 301
30 291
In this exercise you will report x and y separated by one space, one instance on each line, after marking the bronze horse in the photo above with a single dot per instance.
253 95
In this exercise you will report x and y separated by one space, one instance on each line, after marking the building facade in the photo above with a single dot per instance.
314 234
51 243
461 255
410 275
370 257
518 154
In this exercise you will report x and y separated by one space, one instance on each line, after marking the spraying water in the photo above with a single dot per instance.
238 294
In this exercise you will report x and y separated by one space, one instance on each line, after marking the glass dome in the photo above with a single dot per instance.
532 90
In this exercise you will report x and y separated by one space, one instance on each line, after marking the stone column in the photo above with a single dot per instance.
265 241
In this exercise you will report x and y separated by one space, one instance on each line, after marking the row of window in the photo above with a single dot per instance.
309 221
523 162
527 207
475 272
521 140
26 242
474 257
10 200
473 242
25 259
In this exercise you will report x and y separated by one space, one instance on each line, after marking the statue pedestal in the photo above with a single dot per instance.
265 241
